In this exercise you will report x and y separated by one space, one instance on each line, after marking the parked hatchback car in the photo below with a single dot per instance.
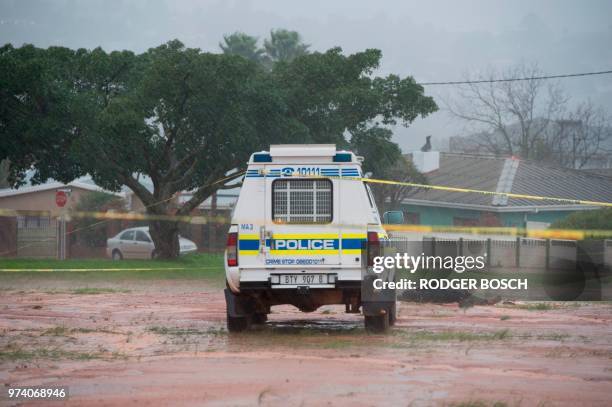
136 243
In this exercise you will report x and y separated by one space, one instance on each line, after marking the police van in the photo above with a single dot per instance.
297 232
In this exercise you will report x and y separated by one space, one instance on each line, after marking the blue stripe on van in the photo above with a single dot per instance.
248 244
352 243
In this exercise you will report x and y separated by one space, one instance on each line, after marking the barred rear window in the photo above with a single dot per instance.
302 201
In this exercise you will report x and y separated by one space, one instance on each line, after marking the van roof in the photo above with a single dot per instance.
304 153
303 150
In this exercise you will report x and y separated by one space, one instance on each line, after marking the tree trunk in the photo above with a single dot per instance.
212 241
165 237
4 173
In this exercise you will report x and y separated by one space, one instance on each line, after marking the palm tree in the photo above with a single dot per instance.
284 45
243 45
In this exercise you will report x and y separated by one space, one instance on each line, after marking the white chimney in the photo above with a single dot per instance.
426 161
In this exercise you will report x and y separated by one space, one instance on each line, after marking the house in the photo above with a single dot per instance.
39 201
29 224
499 174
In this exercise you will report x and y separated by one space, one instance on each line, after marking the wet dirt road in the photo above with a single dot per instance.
165 343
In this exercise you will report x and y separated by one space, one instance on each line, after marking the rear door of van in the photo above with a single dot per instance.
302 214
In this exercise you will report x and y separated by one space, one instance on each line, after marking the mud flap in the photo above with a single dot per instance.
238 306
375 302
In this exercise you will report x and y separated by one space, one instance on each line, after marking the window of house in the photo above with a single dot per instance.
33 222
302 201
412 218
458 221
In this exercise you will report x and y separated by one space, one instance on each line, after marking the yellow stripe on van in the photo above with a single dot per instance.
351 251
306 236
248 236
248 252
354 236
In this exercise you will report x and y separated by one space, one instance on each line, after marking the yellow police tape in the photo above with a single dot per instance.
511 231
563 234
478 191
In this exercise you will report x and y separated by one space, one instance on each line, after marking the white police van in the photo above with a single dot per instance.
297 233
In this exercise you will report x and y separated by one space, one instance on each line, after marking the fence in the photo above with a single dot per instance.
524 253
45 237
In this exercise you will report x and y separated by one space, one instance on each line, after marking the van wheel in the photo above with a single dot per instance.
259 318
237 324
392 314
377 324
117 255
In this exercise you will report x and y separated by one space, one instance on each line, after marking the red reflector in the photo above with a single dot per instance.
232 249
373 247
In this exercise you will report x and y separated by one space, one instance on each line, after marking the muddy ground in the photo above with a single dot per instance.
165 343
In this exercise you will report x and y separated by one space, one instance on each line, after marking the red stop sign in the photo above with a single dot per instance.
61 198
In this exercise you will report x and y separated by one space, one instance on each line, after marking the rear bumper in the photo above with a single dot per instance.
266 285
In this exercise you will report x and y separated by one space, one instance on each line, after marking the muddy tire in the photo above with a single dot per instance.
377 324
117 255
259 319
237 324
392 314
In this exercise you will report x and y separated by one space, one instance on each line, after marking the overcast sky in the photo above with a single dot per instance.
430 40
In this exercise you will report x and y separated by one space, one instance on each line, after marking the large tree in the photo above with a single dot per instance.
242 44
35 111
183 119
285 45
530 118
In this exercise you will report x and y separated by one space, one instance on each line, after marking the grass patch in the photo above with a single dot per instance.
553 337
94 290
13 354
174 331
538 306
56 331
454 336
193 266
338 344
63 331
504 317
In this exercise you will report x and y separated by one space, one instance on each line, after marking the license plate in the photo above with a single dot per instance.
303 279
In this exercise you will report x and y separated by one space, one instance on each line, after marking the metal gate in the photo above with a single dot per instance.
37 236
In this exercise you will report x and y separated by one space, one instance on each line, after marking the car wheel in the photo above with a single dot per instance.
237 324
259 318
117 255
154 254
377 324
392 314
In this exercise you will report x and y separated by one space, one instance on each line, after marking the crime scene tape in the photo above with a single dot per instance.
478 191
562 234
106 219
547 233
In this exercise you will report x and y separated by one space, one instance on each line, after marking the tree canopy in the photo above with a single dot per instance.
600 219
243 45
183 118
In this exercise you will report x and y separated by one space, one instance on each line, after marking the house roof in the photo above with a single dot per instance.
510 175
53 185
